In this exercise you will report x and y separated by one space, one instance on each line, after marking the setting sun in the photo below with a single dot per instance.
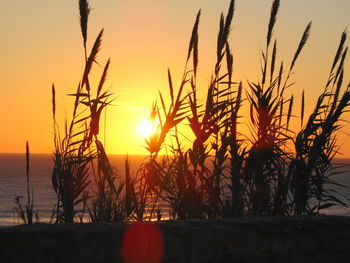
145 128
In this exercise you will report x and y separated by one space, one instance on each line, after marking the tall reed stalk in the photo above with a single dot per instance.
80 150
26 214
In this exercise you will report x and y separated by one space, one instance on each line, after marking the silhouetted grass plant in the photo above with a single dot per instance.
83 176
26 213
80 156
223 173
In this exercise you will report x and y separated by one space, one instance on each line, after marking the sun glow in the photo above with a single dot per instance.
145 128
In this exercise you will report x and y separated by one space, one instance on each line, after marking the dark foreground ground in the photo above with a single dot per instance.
293 239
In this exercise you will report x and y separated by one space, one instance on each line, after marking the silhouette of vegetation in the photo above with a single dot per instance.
226 173
223 173
79 147
26 214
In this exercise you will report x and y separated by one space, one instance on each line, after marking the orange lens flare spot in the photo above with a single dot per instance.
142 242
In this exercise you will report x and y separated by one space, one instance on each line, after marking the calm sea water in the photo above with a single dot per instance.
13 182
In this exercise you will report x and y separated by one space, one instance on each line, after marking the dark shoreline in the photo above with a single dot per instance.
261 239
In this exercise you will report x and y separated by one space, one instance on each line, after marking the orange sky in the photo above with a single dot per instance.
41 44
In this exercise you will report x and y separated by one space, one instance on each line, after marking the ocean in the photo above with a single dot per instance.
13 183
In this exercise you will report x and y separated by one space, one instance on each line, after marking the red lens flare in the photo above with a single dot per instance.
142 242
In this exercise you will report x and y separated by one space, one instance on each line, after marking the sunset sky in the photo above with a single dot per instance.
41 44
